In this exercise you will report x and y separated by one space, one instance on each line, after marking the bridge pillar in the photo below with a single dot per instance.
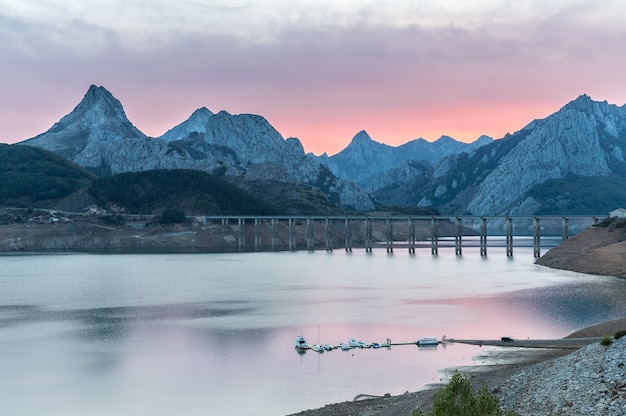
274 234
257 234
458 238
241 233
509 237
411 236
348 242
329 234
310 242
389 235
368 235
223 225
483 236
565 228
292 235
434 236
536 237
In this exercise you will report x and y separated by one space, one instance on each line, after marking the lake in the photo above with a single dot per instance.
201 334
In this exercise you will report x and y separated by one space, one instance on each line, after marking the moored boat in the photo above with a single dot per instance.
301 343
317 348
427 341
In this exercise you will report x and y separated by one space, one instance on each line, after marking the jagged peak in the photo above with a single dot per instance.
97 105
97 95
446 139
360 139
202 112
362 135
582 103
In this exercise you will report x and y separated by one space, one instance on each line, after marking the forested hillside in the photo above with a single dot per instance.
30 176
190 191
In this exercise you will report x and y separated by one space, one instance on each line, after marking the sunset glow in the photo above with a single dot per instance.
320 71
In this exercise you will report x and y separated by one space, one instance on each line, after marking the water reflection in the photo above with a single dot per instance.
128 335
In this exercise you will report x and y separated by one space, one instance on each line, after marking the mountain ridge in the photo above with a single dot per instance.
583 139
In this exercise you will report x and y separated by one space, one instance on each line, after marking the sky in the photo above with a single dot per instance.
318 70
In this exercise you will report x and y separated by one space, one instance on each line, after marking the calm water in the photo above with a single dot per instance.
214 333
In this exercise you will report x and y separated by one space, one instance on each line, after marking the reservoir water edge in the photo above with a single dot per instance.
197 334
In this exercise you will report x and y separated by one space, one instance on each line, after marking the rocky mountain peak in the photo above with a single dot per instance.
361 137
195 124
97 106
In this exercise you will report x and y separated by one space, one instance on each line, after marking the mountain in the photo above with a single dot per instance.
97 135
193 127
539 168
366 161
571 162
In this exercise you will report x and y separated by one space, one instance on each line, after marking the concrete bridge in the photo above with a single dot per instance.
331 232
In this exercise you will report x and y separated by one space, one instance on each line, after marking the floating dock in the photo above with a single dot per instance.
302 346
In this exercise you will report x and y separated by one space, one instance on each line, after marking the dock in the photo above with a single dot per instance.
433 342
561 343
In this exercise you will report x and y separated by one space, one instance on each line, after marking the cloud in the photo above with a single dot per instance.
316 71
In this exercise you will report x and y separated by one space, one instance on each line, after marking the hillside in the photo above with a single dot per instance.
32 177
189 191
600 249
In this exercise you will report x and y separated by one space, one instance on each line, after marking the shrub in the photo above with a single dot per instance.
606 340
619 334
458 398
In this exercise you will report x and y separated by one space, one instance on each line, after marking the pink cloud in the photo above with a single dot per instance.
323 84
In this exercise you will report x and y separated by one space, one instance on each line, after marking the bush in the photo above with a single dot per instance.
619 334
459 399
606 341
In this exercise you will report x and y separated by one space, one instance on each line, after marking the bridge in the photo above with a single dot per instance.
330 232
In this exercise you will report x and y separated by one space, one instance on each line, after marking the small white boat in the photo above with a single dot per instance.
327 347
355 344
427 341
345 347
376 345
301 343
317 348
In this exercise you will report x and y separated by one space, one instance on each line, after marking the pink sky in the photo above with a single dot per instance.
320 71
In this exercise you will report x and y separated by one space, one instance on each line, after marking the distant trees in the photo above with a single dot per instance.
182 190
29 176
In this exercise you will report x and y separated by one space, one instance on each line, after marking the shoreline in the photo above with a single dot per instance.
501 365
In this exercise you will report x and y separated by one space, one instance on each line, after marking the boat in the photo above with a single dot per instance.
328 347
427 341
376 345
355 344
345 347
301 343
317 348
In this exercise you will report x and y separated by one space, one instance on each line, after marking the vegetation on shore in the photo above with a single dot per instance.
458 398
